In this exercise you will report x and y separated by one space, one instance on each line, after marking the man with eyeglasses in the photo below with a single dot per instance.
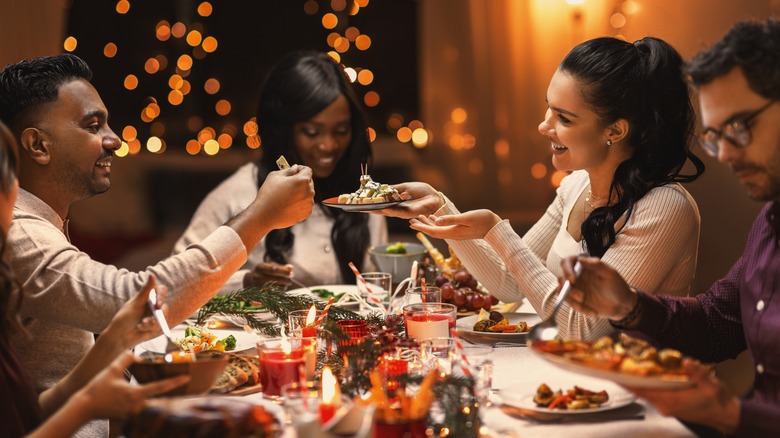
738 80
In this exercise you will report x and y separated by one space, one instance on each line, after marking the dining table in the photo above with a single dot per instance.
517 373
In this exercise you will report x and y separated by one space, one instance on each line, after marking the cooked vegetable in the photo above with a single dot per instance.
396 248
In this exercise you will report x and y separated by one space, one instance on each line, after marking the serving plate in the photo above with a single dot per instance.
465 328
617 399
665 381
244 340
337 289
333 202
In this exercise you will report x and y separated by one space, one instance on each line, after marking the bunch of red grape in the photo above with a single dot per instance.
461 290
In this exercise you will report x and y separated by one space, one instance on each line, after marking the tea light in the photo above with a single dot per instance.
279 359
429 320
331 395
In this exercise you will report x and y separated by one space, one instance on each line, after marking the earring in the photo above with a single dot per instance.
609 142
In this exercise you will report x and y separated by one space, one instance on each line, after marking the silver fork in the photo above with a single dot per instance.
171 346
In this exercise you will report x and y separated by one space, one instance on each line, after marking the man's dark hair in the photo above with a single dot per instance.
25 85
753 46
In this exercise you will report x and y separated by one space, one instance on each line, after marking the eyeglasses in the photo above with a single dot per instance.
736 131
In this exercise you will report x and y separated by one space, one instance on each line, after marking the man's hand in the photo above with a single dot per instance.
470 225
708 402
599 290
420 199
287 196
269 271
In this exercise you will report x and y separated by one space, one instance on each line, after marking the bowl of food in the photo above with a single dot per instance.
397 258
204 368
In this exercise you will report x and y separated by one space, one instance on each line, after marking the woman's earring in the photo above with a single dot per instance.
609 142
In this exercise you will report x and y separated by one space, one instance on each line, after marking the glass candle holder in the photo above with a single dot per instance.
356 329
297 321
414 295
301 404
429 320
279 364
385 427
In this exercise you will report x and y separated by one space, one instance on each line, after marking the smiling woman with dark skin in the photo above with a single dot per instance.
308 113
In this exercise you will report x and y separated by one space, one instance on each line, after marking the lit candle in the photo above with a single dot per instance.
310 330
331 395
279 364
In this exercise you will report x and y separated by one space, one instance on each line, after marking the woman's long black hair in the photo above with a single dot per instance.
642 83
297 88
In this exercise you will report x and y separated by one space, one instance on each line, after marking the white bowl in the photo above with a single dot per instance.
399 265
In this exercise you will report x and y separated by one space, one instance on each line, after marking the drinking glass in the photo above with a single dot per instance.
376 291
480 364
429 320
438 354
301 404
414 295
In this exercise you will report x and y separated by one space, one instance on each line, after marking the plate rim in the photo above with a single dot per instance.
332 202
498 337
527 400
635 380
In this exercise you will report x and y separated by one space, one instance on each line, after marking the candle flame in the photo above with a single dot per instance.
331 391
285 344
311 315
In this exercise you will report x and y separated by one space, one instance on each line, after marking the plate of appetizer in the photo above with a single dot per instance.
193 338
574 400
628 361
371 195
491 327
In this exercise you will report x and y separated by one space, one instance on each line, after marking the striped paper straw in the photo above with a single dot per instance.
459 346
362 281
324 312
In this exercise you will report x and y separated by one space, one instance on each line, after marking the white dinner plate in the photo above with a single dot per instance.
335 288
621 378
244 340
617 399
465 328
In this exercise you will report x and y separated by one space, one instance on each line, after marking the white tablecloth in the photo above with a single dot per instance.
518 371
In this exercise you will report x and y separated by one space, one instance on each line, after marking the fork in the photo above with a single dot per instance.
171 346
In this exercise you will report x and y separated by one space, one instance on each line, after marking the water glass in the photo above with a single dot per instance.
438 354
414 295
301 404
376 291
480 364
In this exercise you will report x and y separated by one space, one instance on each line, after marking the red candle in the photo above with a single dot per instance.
309 332
330 393
278 368
326 412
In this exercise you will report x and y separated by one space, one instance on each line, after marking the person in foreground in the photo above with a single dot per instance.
309 113
66 150
620 119
738 80
76 399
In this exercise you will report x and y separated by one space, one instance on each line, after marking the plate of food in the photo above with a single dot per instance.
371 195
194 338
342 294
575 400
628 361
491 327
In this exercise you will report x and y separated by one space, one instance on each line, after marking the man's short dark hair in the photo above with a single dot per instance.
27 84
753 46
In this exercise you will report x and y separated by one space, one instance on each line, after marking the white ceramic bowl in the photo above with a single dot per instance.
399 265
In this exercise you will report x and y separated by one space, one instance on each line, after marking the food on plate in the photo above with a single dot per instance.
463 290
449 264
627 355
495 322
575 398
202 417
325 294
396 248
240 371
198 338
370 192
